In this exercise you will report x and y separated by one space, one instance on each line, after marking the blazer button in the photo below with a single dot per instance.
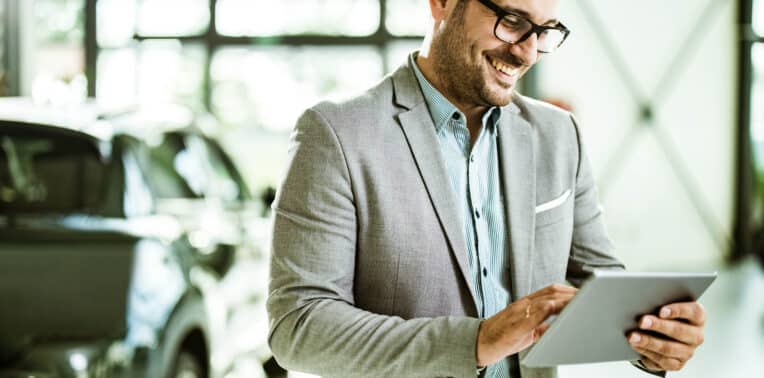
485 272
477 214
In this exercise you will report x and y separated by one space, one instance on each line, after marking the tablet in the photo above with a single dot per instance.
593 326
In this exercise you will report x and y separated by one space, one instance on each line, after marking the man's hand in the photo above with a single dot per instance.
681 325
520 324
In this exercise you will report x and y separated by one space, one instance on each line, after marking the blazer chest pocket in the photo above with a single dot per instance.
553 211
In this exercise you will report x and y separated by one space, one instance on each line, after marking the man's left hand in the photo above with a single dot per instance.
681 328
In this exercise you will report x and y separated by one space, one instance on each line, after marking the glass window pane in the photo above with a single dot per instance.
161 71
116 22
758 17
169 71
271 86
3 77
397 53
59 21
173 17
161 163
408 17
36 172
116 82
757 112
270 18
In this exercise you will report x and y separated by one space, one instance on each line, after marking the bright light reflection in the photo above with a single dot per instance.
270 87
758 17
115 22
269 18
173 17
757 97
78 362
116 84
408 17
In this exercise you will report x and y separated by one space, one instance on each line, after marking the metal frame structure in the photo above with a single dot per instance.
212 41
745 231
11 47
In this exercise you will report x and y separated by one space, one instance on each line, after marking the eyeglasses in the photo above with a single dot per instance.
513 28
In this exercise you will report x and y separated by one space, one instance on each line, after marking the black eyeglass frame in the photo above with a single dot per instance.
535 28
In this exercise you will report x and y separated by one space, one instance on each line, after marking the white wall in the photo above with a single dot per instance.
650 216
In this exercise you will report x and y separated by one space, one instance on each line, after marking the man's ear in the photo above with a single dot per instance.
439 9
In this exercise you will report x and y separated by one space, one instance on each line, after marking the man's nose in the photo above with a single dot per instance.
527 49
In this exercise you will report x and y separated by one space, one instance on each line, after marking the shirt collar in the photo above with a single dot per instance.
440 108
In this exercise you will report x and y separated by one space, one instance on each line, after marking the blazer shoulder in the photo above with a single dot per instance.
541 113
362 109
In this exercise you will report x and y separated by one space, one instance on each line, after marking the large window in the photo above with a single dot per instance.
255 64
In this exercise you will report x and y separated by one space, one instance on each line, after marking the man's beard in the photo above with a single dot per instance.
461 79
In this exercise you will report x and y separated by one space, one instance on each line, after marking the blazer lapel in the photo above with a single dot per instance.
420 133
518 168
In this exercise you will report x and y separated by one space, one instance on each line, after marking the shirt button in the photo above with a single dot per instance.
472 158
485 272
477 214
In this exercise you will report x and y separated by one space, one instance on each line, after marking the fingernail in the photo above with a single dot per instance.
635 338
647 323
665 312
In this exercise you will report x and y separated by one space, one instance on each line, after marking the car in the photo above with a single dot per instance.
121 234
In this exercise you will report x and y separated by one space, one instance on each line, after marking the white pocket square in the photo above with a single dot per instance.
553 203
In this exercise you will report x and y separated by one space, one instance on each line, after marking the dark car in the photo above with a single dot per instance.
118 236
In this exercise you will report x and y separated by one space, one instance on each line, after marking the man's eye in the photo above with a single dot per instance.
512 21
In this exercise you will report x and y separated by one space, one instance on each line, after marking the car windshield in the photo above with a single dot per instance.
54 173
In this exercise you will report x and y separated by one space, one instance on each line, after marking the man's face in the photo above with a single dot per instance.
473 66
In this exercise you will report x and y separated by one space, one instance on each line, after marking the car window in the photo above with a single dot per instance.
206 171
163 165
48 172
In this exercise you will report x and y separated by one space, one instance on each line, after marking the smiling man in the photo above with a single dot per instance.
427 227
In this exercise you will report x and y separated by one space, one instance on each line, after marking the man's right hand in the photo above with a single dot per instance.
520 324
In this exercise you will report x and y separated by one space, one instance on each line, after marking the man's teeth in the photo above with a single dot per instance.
503 68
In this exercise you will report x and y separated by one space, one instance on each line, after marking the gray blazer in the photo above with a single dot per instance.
369 273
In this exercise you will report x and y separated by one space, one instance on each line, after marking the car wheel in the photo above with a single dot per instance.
187 366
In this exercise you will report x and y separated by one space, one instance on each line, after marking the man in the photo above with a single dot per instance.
424 228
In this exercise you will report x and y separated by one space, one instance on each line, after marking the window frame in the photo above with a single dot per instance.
212 41
748 231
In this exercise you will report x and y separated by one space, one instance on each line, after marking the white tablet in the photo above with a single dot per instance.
593 326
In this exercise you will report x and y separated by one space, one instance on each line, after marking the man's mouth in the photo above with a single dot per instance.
503 67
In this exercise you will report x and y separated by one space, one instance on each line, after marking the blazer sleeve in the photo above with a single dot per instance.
314 325
591 247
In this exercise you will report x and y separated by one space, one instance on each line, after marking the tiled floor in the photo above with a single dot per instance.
734 346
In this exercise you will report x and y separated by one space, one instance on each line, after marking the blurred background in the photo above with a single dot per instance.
670 97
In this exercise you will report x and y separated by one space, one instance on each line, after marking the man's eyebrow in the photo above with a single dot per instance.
527 15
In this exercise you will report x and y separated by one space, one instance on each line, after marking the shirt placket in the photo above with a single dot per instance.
477 166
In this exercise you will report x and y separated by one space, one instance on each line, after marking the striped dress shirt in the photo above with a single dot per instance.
474 174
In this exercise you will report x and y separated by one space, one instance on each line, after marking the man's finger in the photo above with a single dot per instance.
539 331
547 305
693 312
666 348
659 362
650 364
688 334
551 289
